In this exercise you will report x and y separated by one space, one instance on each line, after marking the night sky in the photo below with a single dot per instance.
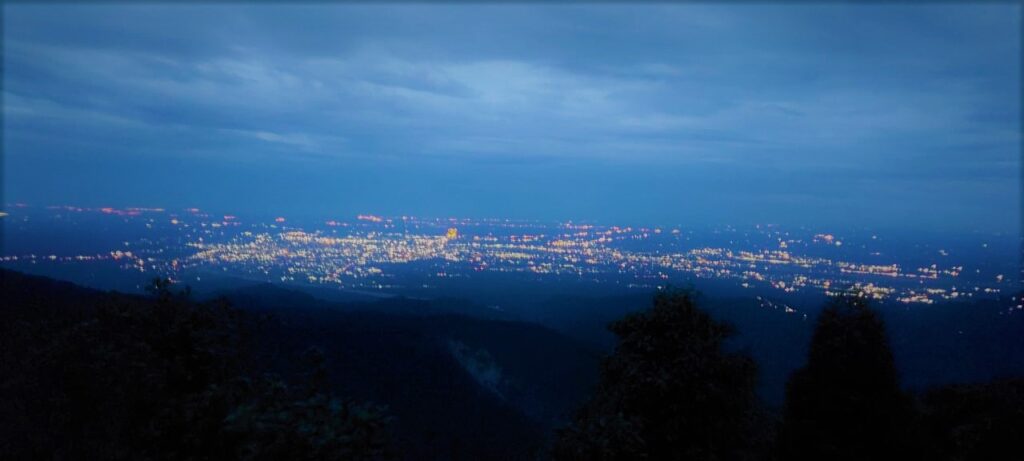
886 116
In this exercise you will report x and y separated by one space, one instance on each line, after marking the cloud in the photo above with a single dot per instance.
835 91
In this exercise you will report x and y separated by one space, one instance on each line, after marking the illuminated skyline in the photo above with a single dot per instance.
409 254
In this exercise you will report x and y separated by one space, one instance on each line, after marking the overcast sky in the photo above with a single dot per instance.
893 116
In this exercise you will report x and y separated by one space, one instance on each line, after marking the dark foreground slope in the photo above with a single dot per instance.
91 375
458 387
453 387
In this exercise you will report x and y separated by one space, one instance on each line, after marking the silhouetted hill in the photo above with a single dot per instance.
266 295
460 381
456 387
466 386
91 375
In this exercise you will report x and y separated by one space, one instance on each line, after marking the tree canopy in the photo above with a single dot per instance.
846 403
125 377
669 391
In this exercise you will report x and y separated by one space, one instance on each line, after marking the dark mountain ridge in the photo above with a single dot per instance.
455 387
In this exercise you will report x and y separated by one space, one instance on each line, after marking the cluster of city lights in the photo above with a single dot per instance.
369 251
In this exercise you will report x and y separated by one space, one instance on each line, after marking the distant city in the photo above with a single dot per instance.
370 253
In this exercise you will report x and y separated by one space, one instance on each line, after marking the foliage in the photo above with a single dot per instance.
111 376
124 377
669 391
976 421
846 403
275 423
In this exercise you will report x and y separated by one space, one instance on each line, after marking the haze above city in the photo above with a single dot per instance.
888 116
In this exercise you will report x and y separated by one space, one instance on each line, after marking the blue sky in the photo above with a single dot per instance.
890 116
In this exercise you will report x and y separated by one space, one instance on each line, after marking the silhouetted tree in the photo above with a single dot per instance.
668 392
846 403
971 422
127 377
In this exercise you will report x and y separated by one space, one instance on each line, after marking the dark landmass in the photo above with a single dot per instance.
454 387
113 375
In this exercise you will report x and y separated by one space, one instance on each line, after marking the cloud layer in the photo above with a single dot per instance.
814 115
